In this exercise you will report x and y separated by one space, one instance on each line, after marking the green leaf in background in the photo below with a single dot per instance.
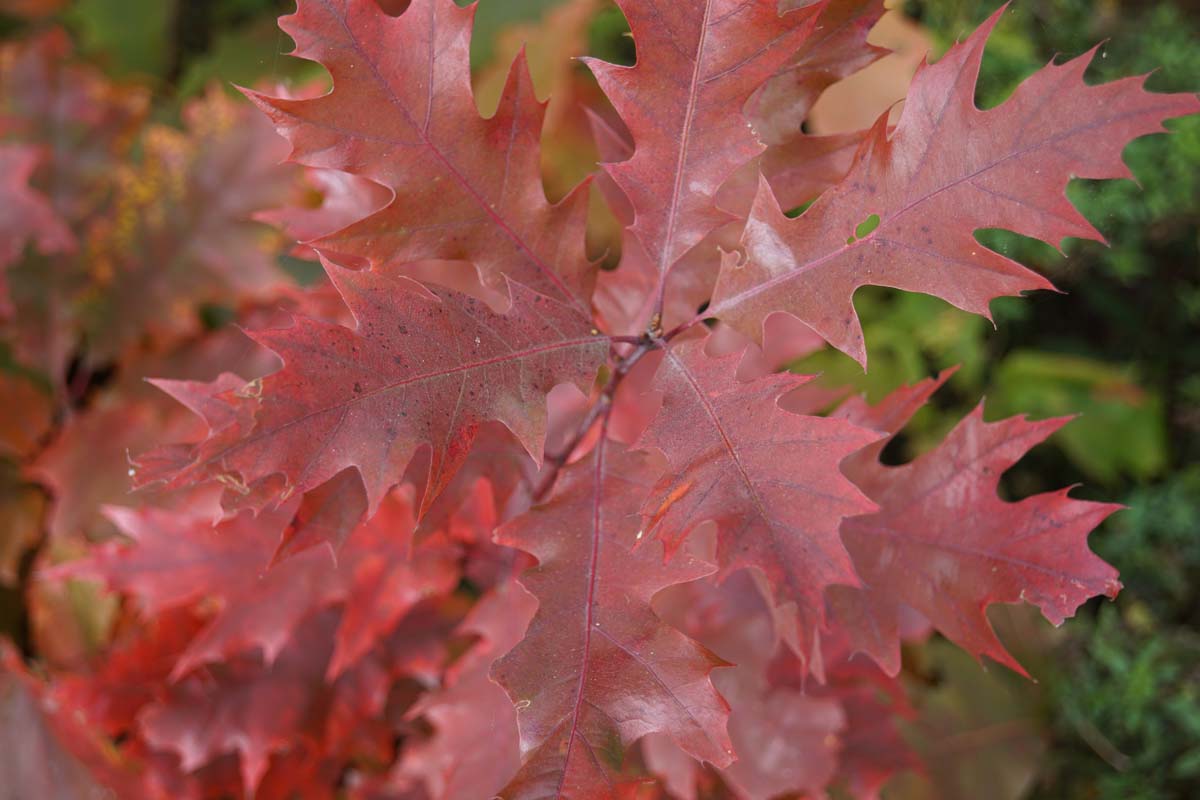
978 732
492 15
1119 429
248 55
128 36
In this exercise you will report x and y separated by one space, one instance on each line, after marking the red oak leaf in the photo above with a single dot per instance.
887 416
84 118
678 772
786 740
326 516
134 672
872 749
944 544
699 62
402 114
422 368
800 166
804 167
344 199
598 669
498 459
906 214
768 478
177 559
385 576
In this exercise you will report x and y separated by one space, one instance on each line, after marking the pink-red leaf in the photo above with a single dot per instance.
699 61
945 544
402 114
474 751
837 48
41 745
25 215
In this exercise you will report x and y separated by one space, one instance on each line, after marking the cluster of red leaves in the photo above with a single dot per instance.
477 519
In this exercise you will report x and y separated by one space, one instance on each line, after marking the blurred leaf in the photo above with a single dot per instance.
492 15
128 35
976 731
248 55
31 9
1120 427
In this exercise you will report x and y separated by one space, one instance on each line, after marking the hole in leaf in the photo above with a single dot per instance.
868 225
393 8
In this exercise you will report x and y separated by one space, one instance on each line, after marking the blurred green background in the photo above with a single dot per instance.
1118 693
1120 688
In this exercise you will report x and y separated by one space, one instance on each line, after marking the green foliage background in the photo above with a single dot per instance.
1121 692
1118 697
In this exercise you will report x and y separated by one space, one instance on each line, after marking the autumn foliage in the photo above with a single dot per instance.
471 517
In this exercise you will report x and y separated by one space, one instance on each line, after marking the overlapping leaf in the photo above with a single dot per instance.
251 662
837 48
178 230
45 753
769 478
27 216
179 560
906 214
474 751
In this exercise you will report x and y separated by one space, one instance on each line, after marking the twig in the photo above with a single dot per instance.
646 343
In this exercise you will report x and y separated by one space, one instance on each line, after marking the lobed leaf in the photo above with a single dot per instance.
401 113
699 61
943 543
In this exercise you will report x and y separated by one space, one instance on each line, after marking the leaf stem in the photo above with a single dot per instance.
602 410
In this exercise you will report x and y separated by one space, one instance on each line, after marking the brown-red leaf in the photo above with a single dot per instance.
699 61
945 544
906 214
422 368
402 114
